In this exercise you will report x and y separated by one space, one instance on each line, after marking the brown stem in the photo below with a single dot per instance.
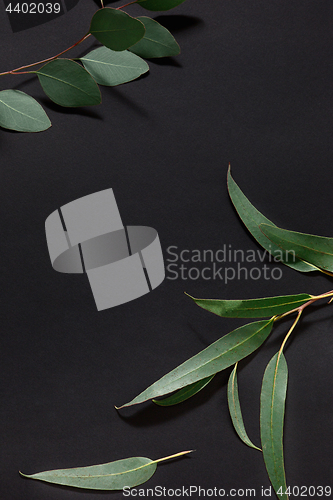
126 5
301 308
16 71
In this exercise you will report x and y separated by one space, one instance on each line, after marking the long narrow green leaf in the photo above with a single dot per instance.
159 4
67 83
185 393
235 409
252 219
116 475
20 112
115 29
316 250
253 308
223 353
157 41
272 405
110 67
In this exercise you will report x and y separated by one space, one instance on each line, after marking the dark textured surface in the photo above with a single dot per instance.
252 86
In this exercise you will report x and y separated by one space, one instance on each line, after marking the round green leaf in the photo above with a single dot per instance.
20 111
109 67
116 29
159 4
66 83
157 41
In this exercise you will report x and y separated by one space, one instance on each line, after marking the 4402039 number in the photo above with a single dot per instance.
306 491
34 8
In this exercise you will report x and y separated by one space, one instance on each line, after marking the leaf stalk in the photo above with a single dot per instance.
18 71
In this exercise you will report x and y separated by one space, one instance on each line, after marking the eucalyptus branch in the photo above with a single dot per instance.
15 71
291 330
75 82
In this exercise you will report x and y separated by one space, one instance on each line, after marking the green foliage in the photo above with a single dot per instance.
67 83
72 84
19 111
272 404
157 41
116 475
315 250
253 308
235 409
109 67
116 29
185 393
312 253
223 353
252 219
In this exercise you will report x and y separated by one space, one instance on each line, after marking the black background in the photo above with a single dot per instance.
253 87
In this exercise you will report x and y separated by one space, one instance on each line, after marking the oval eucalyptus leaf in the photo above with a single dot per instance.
253 308
159 4
116 29
272 405
110 67
226 351
157 41
185 393
20 112
252 219
316 250
116 475
67 83
235 409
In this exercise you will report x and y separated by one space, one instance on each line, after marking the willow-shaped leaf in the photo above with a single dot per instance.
157 41
252 219
235 409
20 111
67 83
253 308
110 67
317 250
159 4
272 404
115 29
116 475
223 353
185 393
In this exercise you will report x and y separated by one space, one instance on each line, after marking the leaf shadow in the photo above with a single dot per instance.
127 101
165 61
81 111
61 487
178 22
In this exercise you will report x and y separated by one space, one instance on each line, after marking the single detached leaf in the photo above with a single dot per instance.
116 29
159 4
116 475
235 409
252 219
20 111
316 250
110 67
272 404
66 83
223 353
185 393
157 41
253 308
